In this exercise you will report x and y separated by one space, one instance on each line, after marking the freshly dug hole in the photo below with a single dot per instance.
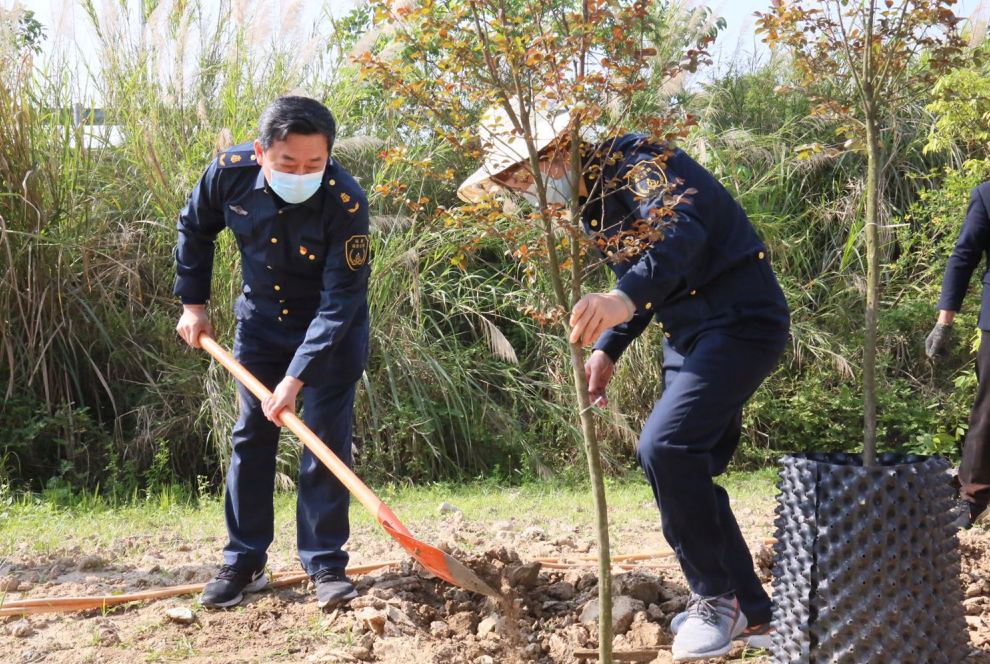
543 615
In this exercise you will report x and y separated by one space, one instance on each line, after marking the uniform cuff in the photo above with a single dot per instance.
948 304
613 345
630 306
298 368
190 292
639 290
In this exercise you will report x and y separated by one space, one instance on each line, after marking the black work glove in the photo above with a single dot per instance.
938 341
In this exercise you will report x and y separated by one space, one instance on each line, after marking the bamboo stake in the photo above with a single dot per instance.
643 655
628 557
33 605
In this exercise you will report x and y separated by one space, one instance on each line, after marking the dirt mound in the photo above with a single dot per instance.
544 616
974 545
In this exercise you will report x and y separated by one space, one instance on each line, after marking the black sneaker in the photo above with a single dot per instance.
229 585
333 588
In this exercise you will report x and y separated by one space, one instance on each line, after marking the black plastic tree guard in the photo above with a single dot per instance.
866 564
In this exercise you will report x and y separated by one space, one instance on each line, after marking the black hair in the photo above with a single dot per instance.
296 115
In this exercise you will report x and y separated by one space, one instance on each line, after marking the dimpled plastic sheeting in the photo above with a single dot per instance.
866 564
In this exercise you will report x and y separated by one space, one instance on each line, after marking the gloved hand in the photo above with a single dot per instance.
938 340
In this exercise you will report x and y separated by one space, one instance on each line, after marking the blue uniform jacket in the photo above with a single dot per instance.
973 244
304 266
707 270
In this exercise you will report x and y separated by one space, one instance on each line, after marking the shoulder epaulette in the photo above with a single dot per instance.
237 156
344 188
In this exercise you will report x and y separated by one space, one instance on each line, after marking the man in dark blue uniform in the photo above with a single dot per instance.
971 247
301 224
703 274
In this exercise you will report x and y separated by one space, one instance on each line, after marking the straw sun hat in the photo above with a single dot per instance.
504 148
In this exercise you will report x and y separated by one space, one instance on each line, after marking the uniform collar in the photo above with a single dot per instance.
314 202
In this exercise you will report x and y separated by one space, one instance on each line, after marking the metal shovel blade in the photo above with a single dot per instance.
433 559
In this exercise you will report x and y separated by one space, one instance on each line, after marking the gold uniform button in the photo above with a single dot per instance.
667 334
285 312
268 267
694 292
281 301
594 223
281 211
277 287
312 257
274 240
280 319
761 255
333 182
648 306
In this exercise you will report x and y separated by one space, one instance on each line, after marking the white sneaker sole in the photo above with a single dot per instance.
258 584
757 641
692 656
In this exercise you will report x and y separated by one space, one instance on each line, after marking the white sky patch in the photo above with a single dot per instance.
70 32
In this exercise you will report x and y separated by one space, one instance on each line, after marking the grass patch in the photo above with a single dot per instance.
49 525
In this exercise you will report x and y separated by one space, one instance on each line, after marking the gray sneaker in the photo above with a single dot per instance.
754 636
709 629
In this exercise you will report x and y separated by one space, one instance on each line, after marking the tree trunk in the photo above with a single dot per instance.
593 452
872 288
591 448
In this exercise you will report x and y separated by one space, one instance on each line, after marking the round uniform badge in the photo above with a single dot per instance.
647 178
356 251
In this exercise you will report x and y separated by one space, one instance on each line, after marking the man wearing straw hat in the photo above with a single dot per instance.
708 282
301 223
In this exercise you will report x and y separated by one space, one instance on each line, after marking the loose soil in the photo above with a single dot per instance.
402 615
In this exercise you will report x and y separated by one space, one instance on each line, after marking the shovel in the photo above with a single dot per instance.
433 559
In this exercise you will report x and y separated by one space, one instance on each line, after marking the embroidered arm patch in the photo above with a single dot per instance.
356 251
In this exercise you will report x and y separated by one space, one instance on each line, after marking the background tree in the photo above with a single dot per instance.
863 61
961 103
444 63
22 28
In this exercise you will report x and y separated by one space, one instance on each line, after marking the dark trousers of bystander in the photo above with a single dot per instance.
974 471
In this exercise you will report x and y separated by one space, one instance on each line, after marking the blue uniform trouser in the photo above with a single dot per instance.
688 439
265 348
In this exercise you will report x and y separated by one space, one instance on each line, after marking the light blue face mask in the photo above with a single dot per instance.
293 188
559 192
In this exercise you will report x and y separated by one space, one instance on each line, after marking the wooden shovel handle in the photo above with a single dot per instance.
346 476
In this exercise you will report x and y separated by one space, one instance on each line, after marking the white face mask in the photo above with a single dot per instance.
559 192
293 188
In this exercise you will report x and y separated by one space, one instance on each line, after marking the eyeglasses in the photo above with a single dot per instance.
516 177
